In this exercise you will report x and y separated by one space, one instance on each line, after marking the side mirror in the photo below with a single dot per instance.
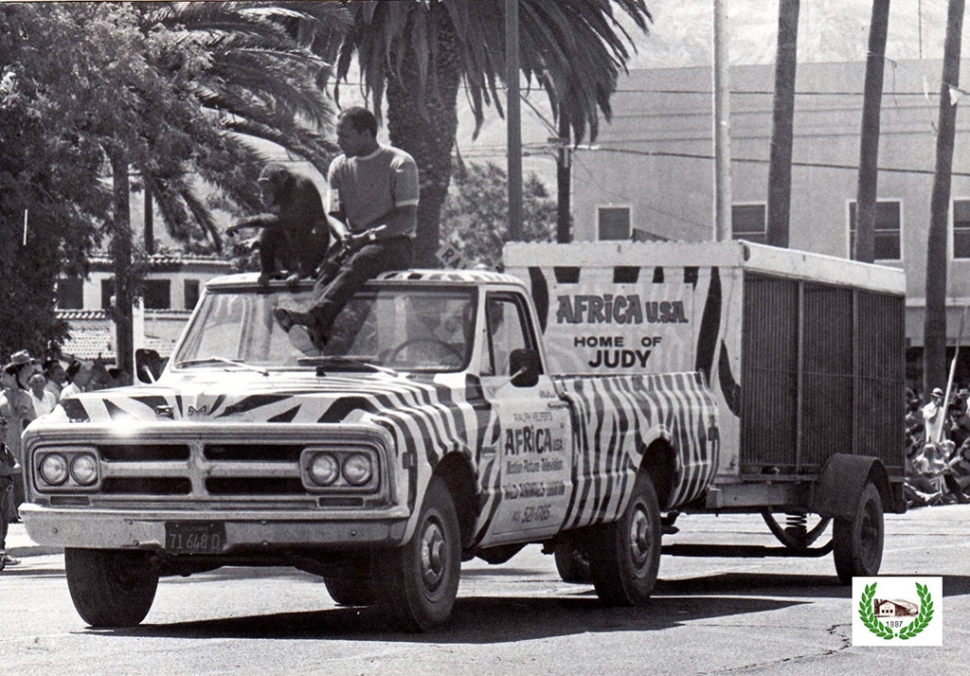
525 367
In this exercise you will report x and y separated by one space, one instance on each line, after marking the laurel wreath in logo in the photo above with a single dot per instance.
922 620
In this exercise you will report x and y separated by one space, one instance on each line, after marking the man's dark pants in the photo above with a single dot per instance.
381 256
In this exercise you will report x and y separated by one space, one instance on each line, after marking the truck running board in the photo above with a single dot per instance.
745 551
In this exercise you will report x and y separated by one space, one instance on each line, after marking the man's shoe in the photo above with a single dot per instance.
303 335
10 561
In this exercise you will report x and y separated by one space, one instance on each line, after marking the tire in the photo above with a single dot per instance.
858 540
110 588
350 591
420 580
625 555
572 564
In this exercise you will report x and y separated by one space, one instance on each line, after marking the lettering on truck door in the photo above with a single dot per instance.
533 448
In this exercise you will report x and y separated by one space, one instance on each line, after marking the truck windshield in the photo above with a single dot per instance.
404 328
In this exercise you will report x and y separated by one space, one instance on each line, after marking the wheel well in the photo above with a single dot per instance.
660 463
456 471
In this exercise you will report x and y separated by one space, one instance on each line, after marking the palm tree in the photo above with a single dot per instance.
260 81
419 55
206 76
934 324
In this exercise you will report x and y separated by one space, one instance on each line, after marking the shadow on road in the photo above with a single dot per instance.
476 620
759 584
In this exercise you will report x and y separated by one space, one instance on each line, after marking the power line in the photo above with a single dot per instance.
748 160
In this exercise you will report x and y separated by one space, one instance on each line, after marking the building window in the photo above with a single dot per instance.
614 223
191 293
887 231
157 294
107 292
70 293
749 222
961 228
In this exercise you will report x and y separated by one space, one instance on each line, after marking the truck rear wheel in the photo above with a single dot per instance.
420 579
858 540
625 555
110 588
350 591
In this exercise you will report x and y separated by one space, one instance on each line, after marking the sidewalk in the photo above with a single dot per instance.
20 545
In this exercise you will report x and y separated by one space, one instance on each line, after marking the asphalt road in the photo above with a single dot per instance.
710 615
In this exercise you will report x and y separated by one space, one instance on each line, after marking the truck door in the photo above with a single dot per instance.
534 447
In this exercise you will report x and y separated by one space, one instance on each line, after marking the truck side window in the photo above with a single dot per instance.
507 331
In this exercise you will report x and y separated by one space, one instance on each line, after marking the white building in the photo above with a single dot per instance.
650 173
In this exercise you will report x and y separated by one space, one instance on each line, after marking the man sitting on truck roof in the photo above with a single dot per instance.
374 191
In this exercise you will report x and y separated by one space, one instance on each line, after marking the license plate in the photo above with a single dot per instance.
195 537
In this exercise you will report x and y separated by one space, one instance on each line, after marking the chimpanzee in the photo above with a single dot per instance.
296 237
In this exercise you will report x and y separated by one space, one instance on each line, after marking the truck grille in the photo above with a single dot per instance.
223 468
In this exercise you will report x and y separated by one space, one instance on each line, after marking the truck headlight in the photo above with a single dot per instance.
324 469
54 469
358 469
84 469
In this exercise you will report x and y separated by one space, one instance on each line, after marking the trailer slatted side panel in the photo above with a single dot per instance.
827 375
769 365
839 391
880 415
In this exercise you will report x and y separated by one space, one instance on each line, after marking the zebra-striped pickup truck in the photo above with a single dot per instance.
434 426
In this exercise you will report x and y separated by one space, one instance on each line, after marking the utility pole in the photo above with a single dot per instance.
563 184
514 119
782 126
722 126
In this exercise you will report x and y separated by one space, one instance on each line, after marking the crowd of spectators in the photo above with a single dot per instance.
31 389
937 448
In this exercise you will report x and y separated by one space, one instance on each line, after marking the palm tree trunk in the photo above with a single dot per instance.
934 328
782 126
121 253
865 215
430 138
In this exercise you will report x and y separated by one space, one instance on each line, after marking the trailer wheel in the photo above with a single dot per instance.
420 579
625 555
572 563
350 591
110 588
858 540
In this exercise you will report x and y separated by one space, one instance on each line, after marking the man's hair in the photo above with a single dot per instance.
73 368
361 118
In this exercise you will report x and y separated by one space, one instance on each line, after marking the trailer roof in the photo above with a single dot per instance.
749 256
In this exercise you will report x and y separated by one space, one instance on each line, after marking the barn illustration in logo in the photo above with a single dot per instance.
894 608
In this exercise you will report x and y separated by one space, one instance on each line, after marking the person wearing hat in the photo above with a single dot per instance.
8 510
17 410
934 416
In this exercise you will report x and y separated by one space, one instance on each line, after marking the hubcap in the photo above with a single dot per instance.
639 537
433 555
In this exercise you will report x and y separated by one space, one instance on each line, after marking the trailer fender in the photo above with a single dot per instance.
841 483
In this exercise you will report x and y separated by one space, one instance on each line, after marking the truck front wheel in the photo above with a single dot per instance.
420 579
110 588
625 555
858 539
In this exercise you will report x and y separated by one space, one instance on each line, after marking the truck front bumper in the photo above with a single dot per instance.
104 529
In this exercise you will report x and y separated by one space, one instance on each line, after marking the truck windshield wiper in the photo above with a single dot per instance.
343 364
223 360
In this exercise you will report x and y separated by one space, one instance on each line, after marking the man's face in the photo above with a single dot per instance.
57 374
351 141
